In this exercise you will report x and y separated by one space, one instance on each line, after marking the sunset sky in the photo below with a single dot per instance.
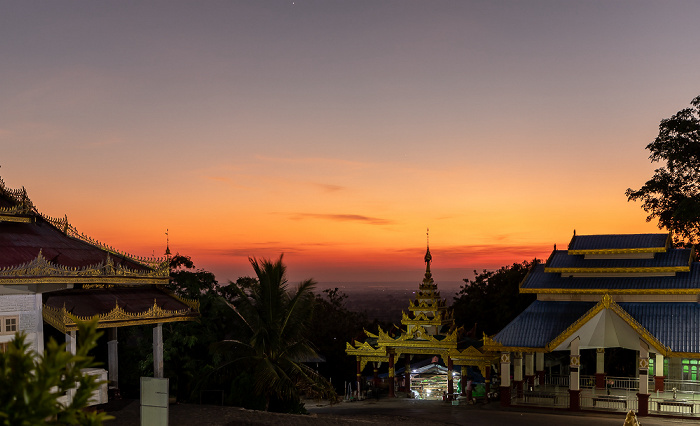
337 131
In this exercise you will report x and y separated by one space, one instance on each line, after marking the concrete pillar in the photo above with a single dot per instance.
600 368
643 395
392 392
158 351
505 379
71 347
574 374
71 342
530 369
659 373
518 373
539 366
38 306
450 379
113 358
358 376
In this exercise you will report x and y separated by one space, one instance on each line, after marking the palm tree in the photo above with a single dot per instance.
277 322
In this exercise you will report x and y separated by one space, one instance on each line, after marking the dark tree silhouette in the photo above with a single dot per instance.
672 195
492 299
277 323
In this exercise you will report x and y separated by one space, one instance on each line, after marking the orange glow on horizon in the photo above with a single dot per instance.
254 129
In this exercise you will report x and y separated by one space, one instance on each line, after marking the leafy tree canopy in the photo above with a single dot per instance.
30 384
492 299
672 195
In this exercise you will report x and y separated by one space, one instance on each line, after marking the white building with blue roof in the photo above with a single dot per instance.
634 292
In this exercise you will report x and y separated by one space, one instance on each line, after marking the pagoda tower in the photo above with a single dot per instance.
429 330
428 310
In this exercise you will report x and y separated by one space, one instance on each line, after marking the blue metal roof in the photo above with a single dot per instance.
675 324
538 279
541 322
617 241
671 258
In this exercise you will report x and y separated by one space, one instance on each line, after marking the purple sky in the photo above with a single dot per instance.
337 131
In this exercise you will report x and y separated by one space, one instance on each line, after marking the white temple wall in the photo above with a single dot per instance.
22 312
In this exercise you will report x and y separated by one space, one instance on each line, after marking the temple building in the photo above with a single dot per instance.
427 329
50 273
627 303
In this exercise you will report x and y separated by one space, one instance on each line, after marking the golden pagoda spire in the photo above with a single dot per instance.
167 243
428 257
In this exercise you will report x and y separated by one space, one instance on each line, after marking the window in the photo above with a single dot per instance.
9 325
3 347
652 367
690 369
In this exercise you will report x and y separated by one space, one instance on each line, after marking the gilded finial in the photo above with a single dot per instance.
167 243
428 257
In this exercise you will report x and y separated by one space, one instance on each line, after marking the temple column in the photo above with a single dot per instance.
659 373
72 348
358 375
530 370
505 379
600 368
407 374
71 342
450 379
113 358
38 306
643 395
392 393
574 386
539 367
518 373
158 351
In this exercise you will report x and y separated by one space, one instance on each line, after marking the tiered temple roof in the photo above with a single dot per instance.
429 329
428 310
611 290
79 276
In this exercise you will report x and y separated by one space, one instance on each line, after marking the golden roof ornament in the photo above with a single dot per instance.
167 244
428 257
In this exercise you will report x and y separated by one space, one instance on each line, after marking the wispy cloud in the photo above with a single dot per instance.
270 249
325 187
343 218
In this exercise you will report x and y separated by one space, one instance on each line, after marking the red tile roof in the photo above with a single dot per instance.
21 242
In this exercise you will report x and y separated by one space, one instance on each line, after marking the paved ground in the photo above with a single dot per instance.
403 412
